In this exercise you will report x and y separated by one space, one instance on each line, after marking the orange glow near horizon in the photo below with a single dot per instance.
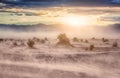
77 21
69 16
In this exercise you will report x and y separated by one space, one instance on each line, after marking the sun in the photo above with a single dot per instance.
77 21
72 21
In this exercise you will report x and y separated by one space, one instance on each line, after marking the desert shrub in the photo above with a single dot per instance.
42 41
105 40
81 40
15 44
86 41
30 43
75 39
115 44
63 40
93 38
91 47
1 39
46 39
36 39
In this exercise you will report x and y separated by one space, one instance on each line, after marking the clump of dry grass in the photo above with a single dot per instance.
81 40
42 41
75 39
63 40
30 43
15 44
115 44
91 47
93 38
86 41
105 40
1 39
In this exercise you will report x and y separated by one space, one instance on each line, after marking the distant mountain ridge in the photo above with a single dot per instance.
111 31
36 27
43 27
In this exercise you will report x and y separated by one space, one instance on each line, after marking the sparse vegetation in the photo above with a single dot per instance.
86 41
91 47
36 39
81 40
46 39
94 56
42 41
93 38
105 40
30 43
115 44
63 40
1 39
75 39
15 44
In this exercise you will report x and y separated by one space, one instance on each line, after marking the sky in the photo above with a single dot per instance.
66 2
64 14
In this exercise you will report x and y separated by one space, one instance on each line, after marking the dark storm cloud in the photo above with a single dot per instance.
64 2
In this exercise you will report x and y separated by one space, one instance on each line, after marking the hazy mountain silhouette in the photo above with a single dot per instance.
115 27
21 28
111 30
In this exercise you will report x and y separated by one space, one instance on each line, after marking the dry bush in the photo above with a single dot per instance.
1 39
93 38
46 39
115 44
36 39
81 40
63 40
105 40
86 41
15 44
75 39
30 43
42 41
91 47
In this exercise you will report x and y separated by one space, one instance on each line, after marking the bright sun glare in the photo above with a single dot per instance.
75 21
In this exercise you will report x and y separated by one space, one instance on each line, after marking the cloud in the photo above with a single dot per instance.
2 4
95 10
64 2
116 1
54 15
21 12
111 18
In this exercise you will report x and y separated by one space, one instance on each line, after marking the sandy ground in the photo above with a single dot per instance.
50 61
